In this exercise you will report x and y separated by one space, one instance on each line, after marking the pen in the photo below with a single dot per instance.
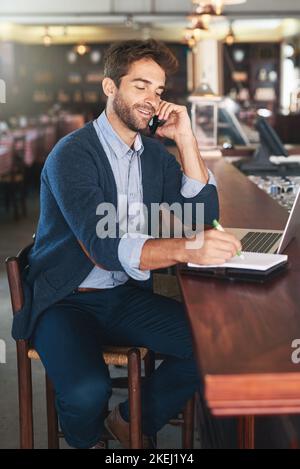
219 227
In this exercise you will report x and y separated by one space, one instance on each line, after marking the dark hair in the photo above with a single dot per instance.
121 55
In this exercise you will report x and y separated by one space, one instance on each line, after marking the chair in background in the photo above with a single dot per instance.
13 177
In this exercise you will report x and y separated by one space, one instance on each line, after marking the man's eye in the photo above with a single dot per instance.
139 88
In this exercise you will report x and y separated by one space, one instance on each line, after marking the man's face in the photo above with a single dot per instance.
139 94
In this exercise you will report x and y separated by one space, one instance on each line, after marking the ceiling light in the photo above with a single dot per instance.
191 36
95 56
230 37
216 5
47 39
288 50
82 49
71 57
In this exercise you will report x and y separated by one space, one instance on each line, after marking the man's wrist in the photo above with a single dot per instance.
180 251
183 139
191 162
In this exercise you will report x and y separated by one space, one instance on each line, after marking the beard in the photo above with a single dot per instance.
129 114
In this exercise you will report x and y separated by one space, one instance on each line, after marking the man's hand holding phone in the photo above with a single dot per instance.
175 124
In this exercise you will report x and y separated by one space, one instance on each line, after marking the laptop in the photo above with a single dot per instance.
270 241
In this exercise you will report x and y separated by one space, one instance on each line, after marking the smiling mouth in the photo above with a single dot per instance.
145 113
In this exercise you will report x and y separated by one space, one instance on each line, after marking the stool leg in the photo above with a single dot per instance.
197 414
188 424
52 422
106 412
135 407
240 430
246 432
25 396
13 187
249 432
149 363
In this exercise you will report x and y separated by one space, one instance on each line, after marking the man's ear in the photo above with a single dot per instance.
108 86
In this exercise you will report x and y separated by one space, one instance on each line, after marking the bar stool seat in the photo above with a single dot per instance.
112 355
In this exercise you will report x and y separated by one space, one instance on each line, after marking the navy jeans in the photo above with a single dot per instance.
69 337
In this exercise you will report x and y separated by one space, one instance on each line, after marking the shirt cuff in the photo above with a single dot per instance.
191 187
129 252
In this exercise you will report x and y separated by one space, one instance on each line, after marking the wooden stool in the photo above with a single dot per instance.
131 357
113 355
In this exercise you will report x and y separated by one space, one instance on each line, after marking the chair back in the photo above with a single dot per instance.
14 267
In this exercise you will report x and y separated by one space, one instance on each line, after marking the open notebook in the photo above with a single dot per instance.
251 261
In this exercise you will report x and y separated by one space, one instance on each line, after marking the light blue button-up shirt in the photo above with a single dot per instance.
126 166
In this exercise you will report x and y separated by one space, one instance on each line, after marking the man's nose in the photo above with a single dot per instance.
153 100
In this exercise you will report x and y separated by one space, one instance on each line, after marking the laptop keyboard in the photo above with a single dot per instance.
256 241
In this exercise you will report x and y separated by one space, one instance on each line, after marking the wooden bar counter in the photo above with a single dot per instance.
243 331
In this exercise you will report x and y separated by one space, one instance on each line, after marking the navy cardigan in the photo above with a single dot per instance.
76 178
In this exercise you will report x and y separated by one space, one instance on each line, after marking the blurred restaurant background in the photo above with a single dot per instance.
239 64
241 56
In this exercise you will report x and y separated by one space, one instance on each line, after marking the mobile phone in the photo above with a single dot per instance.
154 123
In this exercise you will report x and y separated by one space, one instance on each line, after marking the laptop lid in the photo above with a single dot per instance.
292 225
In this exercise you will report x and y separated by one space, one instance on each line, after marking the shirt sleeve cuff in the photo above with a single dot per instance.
129 252
191 187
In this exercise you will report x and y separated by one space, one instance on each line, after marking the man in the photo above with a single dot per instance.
79 285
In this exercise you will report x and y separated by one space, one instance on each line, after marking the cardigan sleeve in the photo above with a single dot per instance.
130 250
173 181
191 187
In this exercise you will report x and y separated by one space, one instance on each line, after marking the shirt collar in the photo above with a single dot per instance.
119 147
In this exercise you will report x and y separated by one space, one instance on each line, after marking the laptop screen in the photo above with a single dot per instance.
292 225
